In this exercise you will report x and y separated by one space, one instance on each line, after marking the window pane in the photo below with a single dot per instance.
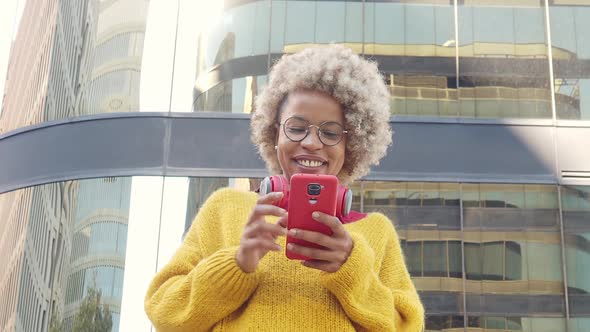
576 217
513 261
495 323
578 324
277 31
236 96
431 195
413 255
514 196
470 195
330 19
493 261
571 52
455 262
353 29
242 30
298 27
435 262
450 194
199 190
492 196
443 322
513 323
475 321
408 35
473 261
503 69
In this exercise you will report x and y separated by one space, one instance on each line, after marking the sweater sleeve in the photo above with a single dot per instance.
377 297
202 284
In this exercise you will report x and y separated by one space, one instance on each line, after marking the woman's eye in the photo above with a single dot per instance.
296 130
329 134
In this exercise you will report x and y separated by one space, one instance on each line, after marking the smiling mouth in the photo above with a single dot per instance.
309 163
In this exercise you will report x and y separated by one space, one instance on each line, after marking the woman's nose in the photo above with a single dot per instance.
312 140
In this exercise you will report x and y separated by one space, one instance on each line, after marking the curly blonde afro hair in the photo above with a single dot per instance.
352 81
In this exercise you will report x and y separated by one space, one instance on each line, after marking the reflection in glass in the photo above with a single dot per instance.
236 96
571 55
578 324
512 248
427 220
242 31
200 188
87 60
419 41
576 214
435 264
316 22
444 322
67 241
413 253
503 68
98 250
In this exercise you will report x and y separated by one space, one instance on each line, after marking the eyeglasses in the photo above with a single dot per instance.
297 129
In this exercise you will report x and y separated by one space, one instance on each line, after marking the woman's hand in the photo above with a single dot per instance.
338 246
259 237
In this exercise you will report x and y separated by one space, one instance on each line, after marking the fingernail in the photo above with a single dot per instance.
278 193
293 232
315 215
290 246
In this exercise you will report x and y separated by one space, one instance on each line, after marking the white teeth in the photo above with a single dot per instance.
310 163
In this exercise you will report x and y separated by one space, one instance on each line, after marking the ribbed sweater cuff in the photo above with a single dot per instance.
224 277
353 271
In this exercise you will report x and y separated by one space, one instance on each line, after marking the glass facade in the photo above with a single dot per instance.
484 255
482 59
65 239
84 59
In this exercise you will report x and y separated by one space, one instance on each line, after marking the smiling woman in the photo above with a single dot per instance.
298 150
324 111
333 79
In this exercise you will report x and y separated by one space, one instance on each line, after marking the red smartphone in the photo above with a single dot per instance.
309 193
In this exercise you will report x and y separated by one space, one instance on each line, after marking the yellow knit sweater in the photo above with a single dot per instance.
202 288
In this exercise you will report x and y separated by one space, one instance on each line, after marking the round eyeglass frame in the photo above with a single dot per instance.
307 130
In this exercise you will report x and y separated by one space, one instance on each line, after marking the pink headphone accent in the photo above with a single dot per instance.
278 183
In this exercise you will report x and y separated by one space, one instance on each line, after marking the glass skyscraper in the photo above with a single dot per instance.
120 117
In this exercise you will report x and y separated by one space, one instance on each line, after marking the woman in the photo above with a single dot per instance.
231 273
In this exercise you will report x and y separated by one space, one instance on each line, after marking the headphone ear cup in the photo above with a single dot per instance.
344 202
276 183
347 203
265 186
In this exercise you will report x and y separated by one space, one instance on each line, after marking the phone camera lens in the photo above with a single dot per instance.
314 189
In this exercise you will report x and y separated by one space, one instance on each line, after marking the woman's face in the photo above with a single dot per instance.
310 155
